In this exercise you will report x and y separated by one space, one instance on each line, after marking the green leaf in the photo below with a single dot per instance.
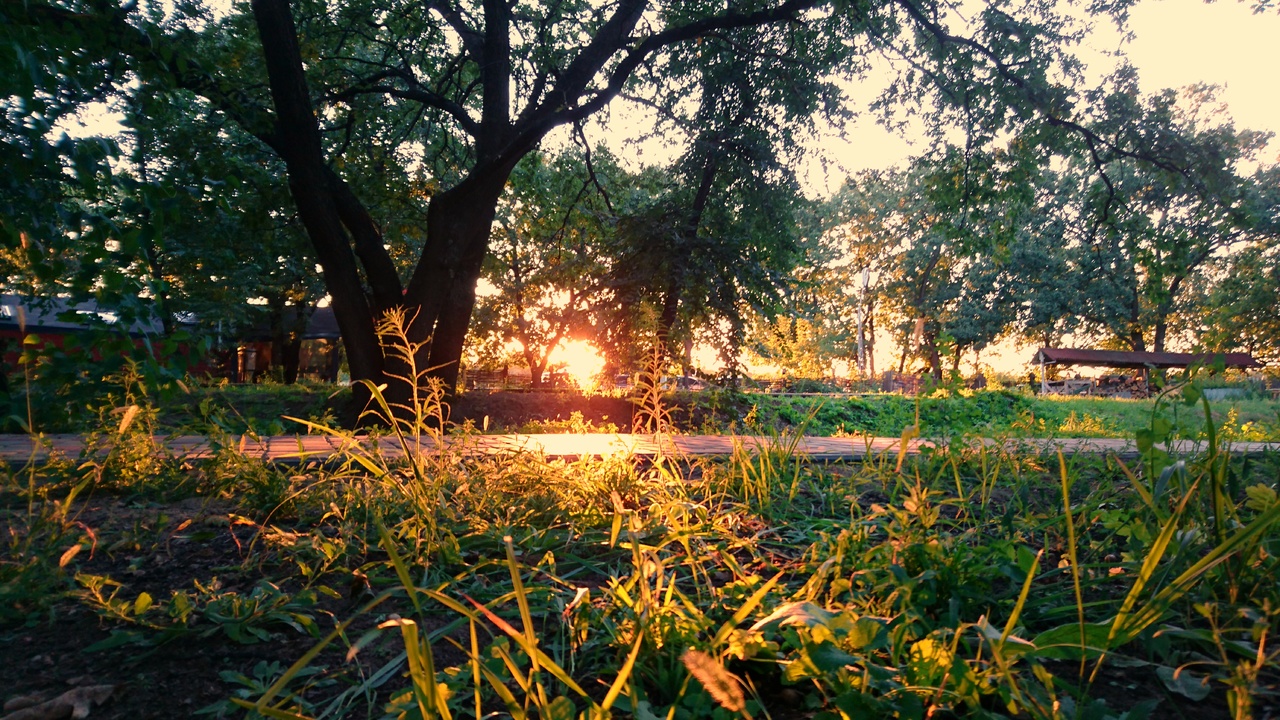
867 633
929 661
561 708
828 657
1191 393
1145 440
1184 683
1161 428
1063 642
801 613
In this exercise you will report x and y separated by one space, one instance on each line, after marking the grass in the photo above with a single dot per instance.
987 413
65 402
961 583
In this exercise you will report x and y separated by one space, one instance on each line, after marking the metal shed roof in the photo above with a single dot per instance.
1125 359
322 325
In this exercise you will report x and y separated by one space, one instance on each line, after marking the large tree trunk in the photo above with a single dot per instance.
536 367
297 140
443 288
1161 331
291 359
931 349
440 297
1163 311
675 281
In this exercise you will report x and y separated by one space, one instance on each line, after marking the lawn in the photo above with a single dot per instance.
261 409
961 583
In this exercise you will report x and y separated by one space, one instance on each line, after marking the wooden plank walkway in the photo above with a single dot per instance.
17 450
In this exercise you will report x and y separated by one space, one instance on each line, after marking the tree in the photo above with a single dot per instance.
941 232
1236 299
794 344
546 261
729 233
1146 226
467 90
848 263
1243 307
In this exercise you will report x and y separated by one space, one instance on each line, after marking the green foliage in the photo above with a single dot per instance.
548 259
67 385
986 413
970 581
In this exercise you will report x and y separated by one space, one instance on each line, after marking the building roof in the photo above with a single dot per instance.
60 315
322 325
1125 359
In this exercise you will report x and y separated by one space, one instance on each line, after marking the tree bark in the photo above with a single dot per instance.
291 358
871 343
935 360
297 140
675 281
441 294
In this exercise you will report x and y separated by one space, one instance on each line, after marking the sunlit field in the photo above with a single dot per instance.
960 583
262 410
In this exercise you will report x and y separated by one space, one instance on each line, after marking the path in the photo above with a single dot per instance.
17 450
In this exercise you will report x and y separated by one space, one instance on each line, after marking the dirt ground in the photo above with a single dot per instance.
157 549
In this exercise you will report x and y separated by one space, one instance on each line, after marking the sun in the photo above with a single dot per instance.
580 360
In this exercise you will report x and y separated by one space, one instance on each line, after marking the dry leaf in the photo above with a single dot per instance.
720 684
19 702
68 555
74 704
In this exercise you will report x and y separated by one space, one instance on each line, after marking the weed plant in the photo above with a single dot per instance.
432 581
967 582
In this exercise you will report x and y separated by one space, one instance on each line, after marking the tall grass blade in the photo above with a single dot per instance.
1072 556
747 608
422 670
1022 599
402 570
1155 554
1140 488
624 673
262 704
1179 586
526 618
543 660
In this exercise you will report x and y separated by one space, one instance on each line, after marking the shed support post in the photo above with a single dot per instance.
1044 379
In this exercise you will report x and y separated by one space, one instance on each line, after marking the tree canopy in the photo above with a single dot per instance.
391 137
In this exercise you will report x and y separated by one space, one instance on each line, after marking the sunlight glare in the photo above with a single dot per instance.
580 360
